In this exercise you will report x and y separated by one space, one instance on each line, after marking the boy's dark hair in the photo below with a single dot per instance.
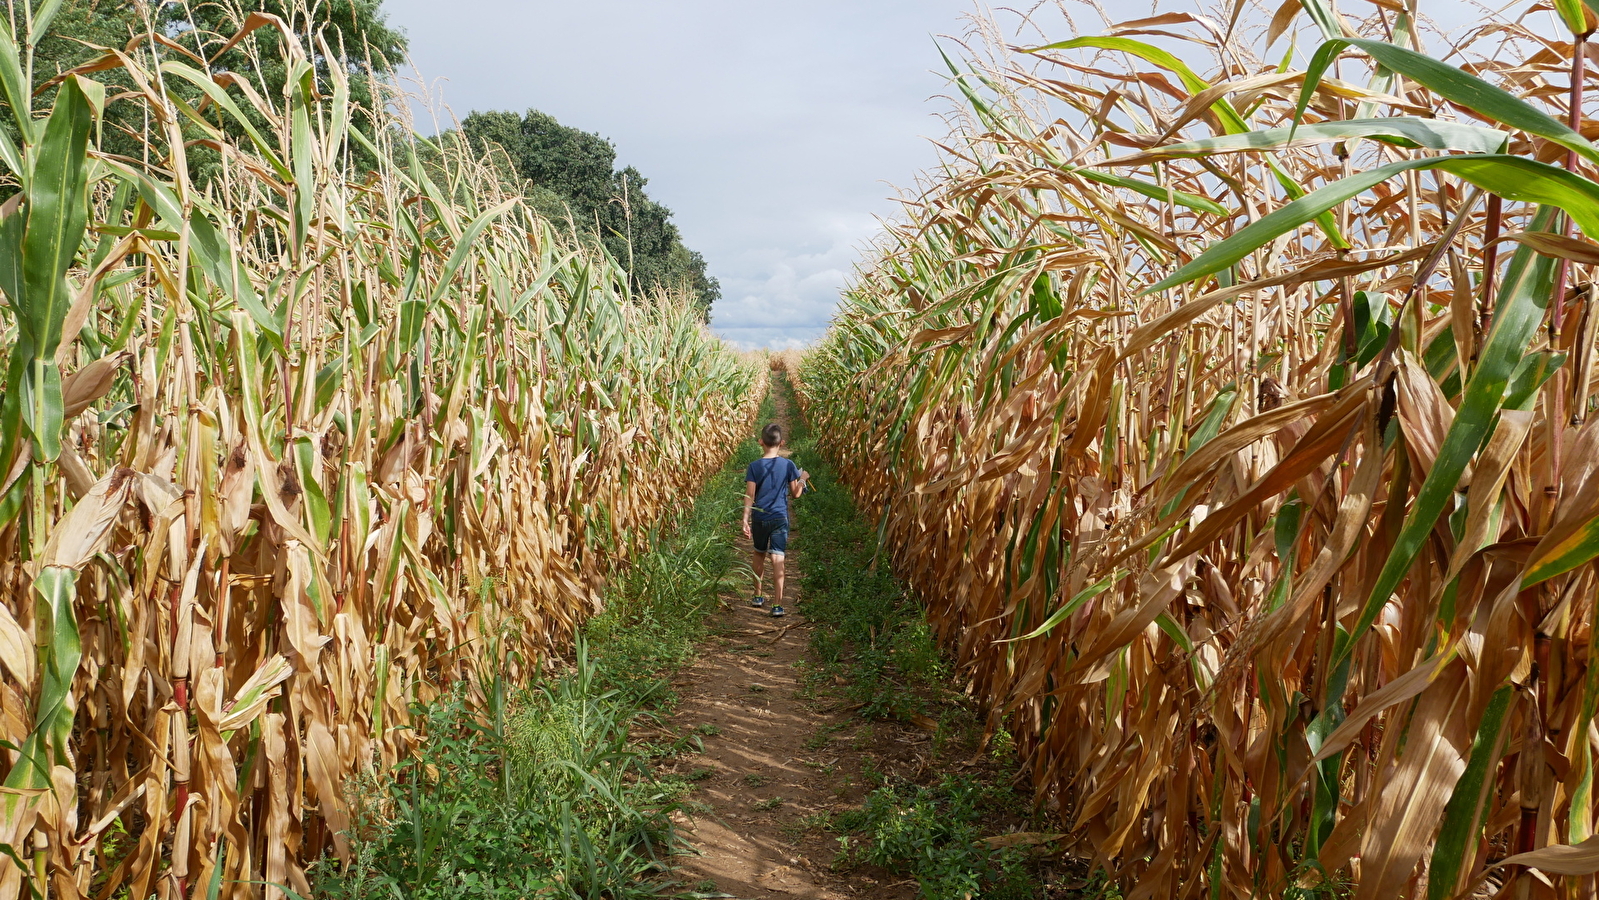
772 435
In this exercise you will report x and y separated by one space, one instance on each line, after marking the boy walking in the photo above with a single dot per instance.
768 484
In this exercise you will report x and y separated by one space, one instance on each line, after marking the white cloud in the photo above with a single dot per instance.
790 291
770 129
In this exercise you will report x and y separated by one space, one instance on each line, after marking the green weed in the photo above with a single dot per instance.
814 822
871 634
546 799
935 835
824 735
655 613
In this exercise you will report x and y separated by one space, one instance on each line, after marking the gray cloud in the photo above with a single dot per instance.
770 129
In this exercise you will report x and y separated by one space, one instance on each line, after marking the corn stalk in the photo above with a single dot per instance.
288 452
1254 487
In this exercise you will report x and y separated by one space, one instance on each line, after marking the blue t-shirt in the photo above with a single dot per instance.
771 477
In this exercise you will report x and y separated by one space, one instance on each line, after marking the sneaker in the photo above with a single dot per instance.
758 602
777 612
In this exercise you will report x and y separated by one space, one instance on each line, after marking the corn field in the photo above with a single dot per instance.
287 451
1228 398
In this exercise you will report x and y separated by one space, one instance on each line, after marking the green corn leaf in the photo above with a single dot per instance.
1324 16
155 195
358 501
1153 191
1324 799
1512 177
57 587
339 124
1580 547
11 232
380 690
385 161
1173 630
1579 827
120 198
307 466
413 309
466 368
1232 122
1530 375
328 379
40 392
445 210
226 103
1463 815
301 150
464 248
1570 12
11 156
213 888
396 556
45 238
1402 131
42 17
1382 80
61 652
1453 85
256 428
1072 605
1147 188
14 85
1520 308
58 212
220 262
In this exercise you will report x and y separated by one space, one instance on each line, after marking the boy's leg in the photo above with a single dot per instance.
778 545
758 549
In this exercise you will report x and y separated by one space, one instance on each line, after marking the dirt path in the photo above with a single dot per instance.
772 757
757 777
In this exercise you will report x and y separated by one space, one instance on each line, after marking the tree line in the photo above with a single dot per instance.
568 174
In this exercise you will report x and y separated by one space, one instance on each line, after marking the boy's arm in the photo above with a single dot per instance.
749 504
801 479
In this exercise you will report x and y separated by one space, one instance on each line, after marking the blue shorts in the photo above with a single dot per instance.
770 535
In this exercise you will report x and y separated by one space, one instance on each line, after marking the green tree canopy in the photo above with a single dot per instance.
359 38
573 179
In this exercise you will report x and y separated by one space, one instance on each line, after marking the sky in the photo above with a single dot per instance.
777 132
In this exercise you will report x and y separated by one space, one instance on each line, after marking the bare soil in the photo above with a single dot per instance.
775 760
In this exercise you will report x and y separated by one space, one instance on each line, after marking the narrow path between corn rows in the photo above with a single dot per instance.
769 761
